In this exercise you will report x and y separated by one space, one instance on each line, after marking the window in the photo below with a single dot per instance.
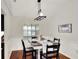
30 30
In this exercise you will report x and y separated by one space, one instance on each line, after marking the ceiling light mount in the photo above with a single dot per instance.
38 0
40 14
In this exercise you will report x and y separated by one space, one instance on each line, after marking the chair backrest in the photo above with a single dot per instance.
34 37
24 49
54 47
56 40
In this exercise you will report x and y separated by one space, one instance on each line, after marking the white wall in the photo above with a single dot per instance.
7 18
58 12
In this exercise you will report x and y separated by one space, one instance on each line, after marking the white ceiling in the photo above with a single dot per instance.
24 7
6 6
29 7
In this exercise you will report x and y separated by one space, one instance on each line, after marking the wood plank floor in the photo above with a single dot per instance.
18 55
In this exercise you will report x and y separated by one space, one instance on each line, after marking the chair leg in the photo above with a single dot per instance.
58 57
32 55
35 54
24 56
40 55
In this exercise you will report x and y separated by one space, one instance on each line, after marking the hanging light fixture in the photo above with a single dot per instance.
40 14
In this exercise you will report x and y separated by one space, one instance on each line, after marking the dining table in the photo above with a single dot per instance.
38 45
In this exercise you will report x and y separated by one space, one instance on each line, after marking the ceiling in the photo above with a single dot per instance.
29 8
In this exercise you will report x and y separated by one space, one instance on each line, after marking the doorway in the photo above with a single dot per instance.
2 36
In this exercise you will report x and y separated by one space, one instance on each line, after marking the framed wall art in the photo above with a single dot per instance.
65 28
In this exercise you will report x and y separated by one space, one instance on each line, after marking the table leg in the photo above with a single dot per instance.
38 53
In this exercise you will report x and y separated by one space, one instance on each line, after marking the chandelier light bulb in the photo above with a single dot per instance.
41 14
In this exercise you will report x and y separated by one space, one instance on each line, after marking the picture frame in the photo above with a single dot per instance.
65 28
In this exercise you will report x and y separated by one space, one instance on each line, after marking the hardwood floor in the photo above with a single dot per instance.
18 55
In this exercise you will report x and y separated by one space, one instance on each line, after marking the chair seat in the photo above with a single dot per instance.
29 49
29 53
49 55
